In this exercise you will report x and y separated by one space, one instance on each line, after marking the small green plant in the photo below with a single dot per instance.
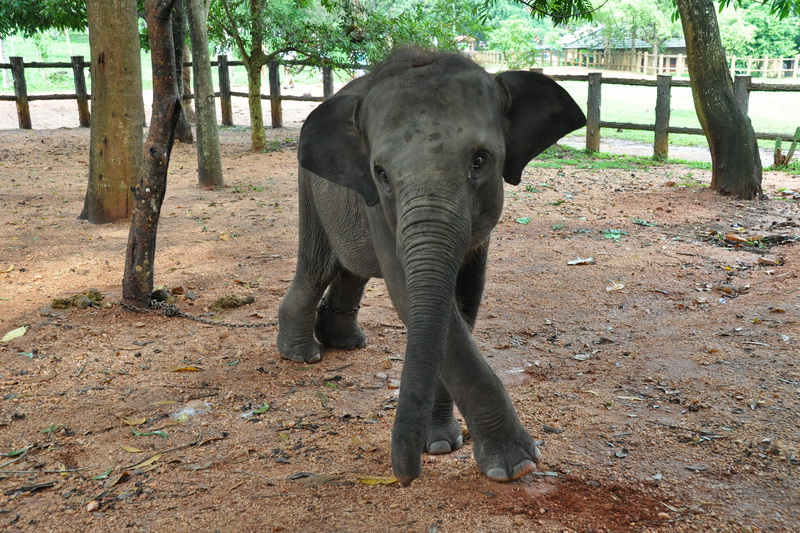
642 222
273 146
614 234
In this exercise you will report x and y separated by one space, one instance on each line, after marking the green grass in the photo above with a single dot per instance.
792 168
559 156
769 111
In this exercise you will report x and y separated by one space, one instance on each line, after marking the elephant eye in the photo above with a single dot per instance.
381 174
479 160
479 163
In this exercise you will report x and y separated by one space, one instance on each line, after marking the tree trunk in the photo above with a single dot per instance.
183 133
115 141
209 163
257 136
137 283
735 160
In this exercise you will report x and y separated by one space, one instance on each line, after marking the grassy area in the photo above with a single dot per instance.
559 156
770 112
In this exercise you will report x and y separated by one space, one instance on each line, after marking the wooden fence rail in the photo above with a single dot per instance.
743 86
650 63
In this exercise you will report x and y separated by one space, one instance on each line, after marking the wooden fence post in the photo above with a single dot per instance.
593 112
796 70
225 90
741 88
663 98
80 91
327 82
275 94
21 92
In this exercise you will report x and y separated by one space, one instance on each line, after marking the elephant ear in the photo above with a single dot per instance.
538 113
333 147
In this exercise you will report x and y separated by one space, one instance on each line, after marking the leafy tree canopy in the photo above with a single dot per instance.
28 17
349 31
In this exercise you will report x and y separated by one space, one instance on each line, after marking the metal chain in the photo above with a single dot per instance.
172 310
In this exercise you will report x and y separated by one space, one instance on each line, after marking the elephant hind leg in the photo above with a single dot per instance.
316 268
337 315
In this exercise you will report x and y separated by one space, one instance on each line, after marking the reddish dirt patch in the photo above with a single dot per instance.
669 403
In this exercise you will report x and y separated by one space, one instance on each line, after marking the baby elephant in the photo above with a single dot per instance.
401 177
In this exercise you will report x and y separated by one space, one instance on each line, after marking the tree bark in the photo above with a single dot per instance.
183 132
115 139
209 162
735 160
258 138
137 283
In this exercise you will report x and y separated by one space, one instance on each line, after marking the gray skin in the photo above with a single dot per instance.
401 177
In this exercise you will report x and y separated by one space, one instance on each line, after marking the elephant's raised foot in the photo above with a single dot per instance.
508 460
298 352
444 438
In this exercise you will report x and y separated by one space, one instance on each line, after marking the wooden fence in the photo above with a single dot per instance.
649 63
743 86
78 64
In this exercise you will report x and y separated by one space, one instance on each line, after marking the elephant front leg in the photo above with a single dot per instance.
504 450
337 316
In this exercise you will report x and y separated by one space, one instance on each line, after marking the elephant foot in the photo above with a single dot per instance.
444 437
509 458
299 352
339 329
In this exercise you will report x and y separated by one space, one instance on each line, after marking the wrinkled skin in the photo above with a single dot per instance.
402 178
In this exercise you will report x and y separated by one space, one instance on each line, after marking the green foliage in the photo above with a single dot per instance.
29 17
343 31
648 20
751 30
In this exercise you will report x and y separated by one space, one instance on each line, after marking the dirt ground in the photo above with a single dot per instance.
662 376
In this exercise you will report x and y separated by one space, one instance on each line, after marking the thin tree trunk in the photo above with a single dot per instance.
257 136
137 283
115 142
183 133
209 163
735 160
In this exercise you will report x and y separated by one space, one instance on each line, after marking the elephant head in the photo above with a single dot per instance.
427 141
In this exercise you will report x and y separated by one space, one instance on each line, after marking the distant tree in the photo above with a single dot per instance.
648 20
209 163
320 31
750 30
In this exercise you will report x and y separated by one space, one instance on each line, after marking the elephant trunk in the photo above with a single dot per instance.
433 234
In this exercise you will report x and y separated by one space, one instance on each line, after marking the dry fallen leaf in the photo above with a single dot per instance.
581 261
131 421
131 449
113 480
377 480
202 466
146 462
183 368
38 379
14 334
615 286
